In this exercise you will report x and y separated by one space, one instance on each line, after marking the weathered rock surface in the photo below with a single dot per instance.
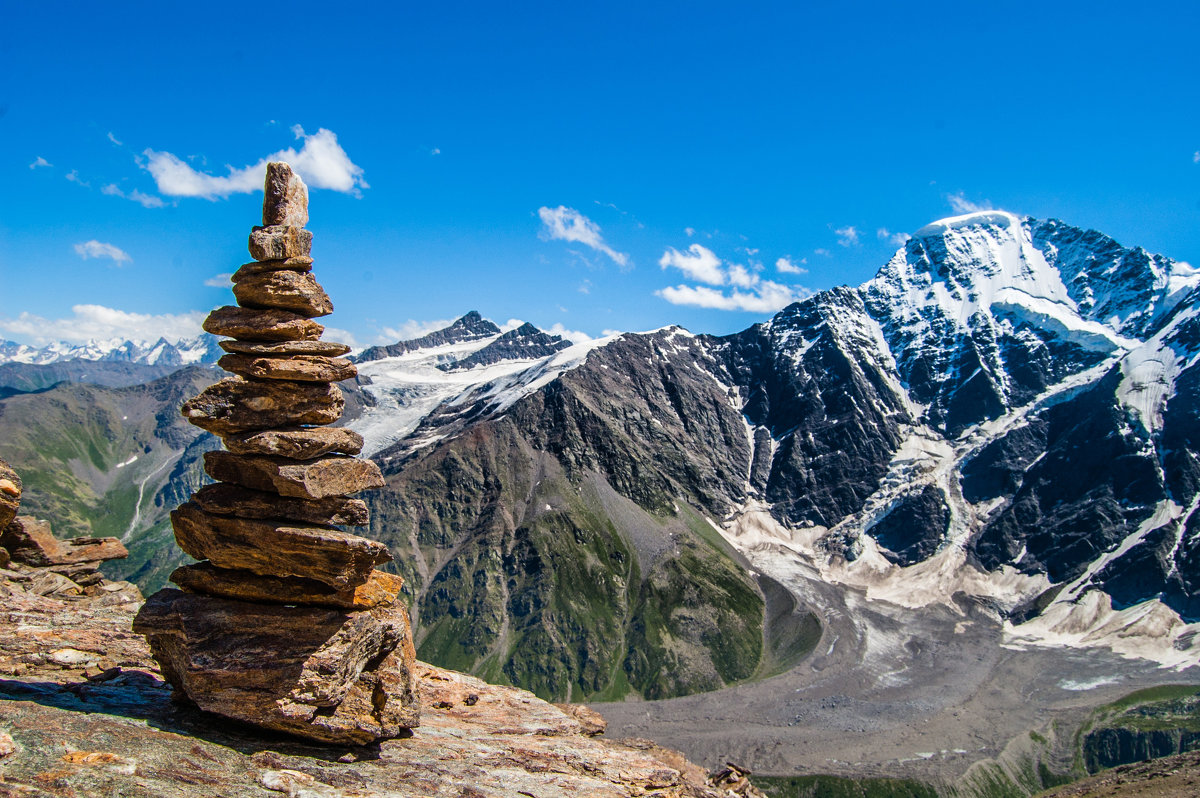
301 443
281 667
275 548
10 494
119 731
279 242
285 197
235 405
380 589
259 266
226 499
255 324
298 292
328 348
302 368
315 479
30 541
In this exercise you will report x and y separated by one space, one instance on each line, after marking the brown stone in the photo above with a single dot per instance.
285 197
5 557
10 494
303 368
30 541
312 479
327 348
235 405
280 242
298 292
276 548
380 589
328 675
261 266
226 499
251 324
299 443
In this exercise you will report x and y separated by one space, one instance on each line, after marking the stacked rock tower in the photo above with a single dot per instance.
285 623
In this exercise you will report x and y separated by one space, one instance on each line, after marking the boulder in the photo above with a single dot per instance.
301 443
285 197
235 405
277 548
380 589
327 675
259 266
298 292
10 494
261 325
225 499
313 479
31 542
328 348
302 368
279 242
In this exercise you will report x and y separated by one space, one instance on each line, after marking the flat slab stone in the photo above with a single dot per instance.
299 443
235 405
10 494
30 541
313 479
225 499
259 266
285 197
327 675
253 324
298 292
277 548
327 348
380 590
302 368
279 242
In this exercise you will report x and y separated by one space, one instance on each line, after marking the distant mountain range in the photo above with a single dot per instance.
1006 414
201 349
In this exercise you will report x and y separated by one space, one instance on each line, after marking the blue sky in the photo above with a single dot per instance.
620 167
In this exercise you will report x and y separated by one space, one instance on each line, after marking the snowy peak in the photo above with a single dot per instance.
523 343
471 327
187 351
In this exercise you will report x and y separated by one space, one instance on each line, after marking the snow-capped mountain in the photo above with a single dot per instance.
201 349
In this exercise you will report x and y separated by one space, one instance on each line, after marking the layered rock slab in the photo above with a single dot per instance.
380 590
254 324
323 477
235 405
299 443
30 541
225 499
327 675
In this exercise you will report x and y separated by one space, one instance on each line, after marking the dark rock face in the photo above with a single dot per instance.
471 327
524 343
912 530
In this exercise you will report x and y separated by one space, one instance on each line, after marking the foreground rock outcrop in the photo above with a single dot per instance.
285 623
84 710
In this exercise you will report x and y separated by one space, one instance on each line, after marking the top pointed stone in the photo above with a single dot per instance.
285 197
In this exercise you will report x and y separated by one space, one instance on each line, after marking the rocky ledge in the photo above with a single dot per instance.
84 710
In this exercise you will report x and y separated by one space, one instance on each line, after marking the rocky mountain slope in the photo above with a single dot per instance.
201 349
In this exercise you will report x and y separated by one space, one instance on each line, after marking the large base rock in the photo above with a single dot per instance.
328 675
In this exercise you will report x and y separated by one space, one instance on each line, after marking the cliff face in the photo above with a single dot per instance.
84 712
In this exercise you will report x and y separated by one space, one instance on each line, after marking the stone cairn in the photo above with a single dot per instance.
285 623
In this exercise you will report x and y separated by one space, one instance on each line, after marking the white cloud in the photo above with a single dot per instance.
585 287
823 252
742 277
607 332
767 297
146 200
339 335
100 249
411 329
113 139
511 324
321 162
436 151
698 263
962 205
219 280
40 161
785 266
847 236
895 239
1195 157
574 336
567 224
98 323
74 177
691 231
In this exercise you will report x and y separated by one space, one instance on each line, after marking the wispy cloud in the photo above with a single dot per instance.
321 162
74 177
39 161
961 204
574 336
1195 157
747 289
567 224
847 236
113 139
895 239
342 337
691 231
786 265
98 323
822 252
101 249
436 151
219 280
146 200
698 263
